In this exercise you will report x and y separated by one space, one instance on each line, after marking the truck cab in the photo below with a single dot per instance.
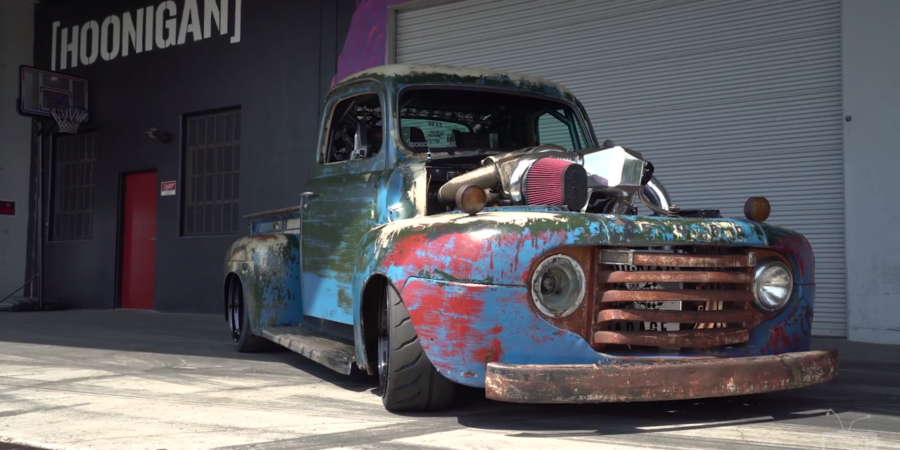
466 227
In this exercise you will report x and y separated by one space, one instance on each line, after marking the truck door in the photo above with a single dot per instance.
340 203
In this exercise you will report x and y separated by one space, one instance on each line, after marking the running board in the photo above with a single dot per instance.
335 355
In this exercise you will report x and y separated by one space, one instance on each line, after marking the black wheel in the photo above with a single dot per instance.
407 379
242 338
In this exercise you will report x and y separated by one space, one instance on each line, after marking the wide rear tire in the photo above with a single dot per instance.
242 338
407 379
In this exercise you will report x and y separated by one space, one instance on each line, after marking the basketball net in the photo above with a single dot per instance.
69 118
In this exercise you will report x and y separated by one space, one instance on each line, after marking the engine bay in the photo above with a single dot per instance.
522 150
605 180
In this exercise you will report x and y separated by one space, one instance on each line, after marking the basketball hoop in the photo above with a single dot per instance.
69 118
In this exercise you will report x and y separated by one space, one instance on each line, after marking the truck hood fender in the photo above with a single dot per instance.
498 247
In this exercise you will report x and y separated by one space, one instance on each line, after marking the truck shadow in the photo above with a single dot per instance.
634 418
862 389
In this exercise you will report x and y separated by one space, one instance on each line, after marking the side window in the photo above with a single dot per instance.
553 129
355 129
437 133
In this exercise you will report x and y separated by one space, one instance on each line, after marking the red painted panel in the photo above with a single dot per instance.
139 241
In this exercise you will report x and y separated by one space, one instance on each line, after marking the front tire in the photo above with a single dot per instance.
242 338
407 379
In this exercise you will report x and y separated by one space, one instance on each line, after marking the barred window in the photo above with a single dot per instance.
212 147
73 188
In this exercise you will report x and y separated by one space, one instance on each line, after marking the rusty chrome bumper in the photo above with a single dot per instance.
676 379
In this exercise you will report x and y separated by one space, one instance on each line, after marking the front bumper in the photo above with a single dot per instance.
656 381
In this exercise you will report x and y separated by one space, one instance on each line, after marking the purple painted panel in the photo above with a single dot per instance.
365 46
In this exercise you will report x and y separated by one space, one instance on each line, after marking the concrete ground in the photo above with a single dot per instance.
144 380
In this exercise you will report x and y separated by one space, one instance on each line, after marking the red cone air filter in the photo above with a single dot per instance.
552 181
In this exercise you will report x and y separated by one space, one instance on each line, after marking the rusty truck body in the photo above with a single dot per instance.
467 227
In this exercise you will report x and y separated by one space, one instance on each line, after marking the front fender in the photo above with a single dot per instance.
462 327
268 266
498 249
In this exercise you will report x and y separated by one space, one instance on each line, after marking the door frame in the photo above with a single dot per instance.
120 231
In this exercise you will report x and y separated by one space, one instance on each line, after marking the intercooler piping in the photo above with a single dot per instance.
486 177
658 199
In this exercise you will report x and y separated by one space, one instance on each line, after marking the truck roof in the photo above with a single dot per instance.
400 75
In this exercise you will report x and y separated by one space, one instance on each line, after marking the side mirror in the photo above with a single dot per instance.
361 142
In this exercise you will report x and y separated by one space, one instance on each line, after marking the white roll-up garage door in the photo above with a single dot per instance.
728 99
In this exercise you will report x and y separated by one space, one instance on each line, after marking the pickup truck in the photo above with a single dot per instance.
466 227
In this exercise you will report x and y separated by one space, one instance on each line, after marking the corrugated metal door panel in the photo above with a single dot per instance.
728 98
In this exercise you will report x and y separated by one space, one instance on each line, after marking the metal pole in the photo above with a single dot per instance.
51 179
40 218
34 231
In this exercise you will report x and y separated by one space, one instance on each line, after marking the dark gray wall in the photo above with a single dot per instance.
16 36
278 74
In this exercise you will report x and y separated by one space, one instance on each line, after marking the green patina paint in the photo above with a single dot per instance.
272 268
284 264
447 277
610 230
424 274
336 220
490 80
396 76
345 301
344 207
254 302
253 290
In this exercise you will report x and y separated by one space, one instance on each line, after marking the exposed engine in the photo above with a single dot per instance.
526 177
602 180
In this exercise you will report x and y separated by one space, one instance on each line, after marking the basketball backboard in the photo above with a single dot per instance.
42 90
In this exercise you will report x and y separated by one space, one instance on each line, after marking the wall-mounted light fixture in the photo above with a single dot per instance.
161 136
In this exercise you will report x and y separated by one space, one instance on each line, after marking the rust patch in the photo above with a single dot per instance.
676 295
674 277
683 338
654 315
666 260
659 381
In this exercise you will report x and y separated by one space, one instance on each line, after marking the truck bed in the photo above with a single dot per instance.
283 220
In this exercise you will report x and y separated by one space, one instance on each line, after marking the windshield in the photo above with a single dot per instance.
459 120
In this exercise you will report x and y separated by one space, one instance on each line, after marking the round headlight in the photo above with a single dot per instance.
772 286
557 286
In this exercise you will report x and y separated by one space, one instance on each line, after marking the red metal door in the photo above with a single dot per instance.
139 241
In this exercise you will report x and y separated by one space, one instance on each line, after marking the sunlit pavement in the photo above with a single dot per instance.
144 380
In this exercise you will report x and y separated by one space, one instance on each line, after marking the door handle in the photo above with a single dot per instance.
304 199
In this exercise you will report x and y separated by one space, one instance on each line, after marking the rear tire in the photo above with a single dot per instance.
242 338
407 379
